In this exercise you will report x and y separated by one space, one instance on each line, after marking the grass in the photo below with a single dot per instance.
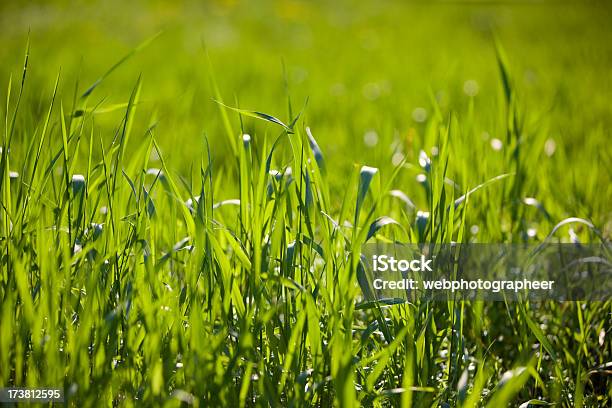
146 264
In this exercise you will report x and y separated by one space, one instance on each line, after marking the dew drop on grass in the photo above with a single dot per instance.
421 178
288 175
424 161
419 115
13 175
155 172
532 232
370 138
549 147
97 230
190 203
421 222
78 182
474 229
496 144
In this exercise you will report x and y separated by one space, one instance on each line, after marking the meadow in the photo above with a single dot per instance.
186 190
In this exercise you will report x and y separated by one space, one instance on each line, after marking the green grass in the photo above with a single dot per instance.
152 254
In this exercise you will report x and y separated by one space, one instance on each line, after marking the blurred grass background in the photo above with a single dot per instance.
373 74
365 67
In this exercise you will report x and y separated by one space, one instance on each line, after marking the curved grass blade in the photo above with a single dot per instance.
362 279
118 64
379 223
502 62
530 201
380 302
572 220
257 115
96 110
404 198
478 187
234 201
366 174
316 150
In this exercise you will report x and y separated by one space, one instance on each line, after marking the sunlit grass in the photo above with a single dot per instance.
128 280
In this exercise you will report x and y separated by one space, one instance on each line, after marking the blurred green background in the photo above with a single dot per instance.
369 69
383 80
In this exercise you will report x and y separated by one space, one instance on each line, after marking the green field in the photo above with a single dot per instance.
163 244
